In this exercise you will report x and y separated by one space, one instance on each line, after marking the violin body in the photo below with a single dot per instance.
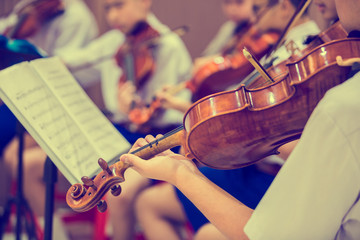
32 16
233 129
335 31
227 70
135 56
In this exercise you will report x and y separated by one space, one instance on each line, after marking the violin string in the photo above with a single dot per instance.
155 142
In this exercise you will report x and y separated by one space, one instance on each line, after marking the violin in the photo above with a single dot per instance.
31 15
136 56
143 114
269 116
237 128
229 68
334 32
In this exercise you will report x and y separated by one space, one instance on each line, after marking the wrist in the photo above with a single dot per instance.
184 176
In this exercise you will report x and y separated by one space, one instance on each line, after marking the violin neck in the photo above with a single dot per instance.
172 139
129 67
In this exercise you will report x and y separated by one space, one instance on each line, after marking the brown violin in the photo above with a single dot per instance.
334 32
228 69
142 114
236 128
269 116
31 15
136 58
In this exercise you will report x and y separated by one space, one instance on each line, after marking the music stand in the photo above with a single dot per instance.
8 57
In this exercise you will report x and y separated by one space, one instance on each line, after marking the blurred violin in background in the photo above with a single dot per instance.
135 56
136 59
31 15
141 115
229 68
221 72
334 32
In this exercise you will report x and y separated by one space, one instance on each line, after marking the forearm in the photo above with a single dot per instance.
224 211
182 105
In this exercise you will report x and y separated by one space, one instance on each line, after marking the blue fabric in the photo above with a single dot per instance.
247 184
7 127
12 51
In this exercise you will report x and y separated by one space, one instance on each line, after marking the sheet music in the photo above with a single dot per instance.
105 137
56 111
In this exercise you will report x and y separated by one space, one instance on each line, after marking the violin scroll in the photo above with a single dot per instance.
83 197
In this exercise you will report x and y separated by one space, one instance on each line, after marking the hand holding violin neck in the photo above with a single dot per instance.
82 198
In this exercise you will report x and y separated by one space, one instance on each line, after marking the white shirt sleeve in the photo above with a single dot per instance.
78 27
320 182
87 63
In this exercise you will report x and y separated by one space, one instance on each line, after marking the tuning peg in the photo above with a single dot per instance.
88 182
102 206
103 164
116 190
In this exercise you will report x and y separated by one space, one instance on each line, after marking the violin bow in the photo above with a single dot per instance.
257 65
298 13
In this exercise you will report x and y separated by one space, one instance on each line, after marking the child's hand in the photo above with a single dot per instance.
170 101
126 96
166 166
202 61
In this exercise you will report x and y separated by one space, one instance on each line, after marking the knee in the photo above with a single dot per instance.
33 162
121 203
125 202
208 232
10 157
143 202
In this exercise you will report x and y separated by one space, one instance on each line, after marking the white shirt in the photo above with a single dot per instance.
298 35
316 193
75 28
173 65
96 60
